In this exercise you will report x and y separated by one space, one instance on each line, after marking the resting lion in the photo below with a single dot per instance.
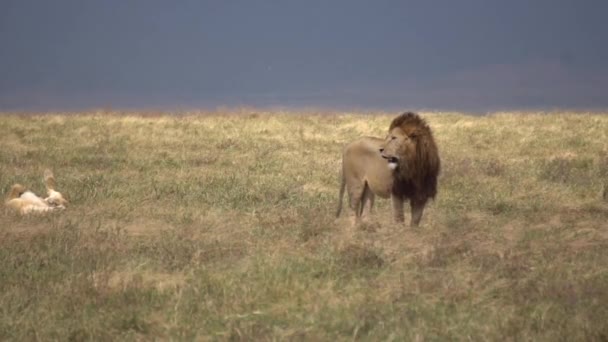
403 166
26 202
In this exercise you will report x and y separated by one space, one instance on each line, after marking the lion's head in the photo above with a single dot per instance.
410 150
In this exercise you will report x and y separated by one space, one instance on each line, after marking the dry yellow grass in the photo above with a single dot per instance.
220 226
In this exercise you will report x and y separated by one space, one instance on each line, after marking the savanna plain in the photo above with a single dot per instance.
221 226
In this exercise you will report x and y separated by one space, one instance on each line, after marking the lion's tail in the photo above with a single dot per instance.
342 187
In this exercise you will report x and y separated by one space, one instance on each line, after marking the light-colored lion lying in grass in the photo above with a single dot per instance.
403 166
26 202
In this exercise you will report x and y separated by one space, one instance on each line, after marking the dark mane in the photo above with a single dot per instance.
409 119
417 178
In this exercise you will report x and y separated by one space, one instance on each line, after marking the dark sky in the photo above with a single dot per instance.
474 55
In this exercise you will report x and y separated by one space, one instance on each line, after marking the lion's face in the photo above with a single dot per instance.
397 148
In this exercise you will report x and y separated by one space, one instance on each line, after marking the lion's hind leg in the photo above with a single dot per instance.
367 202
355 195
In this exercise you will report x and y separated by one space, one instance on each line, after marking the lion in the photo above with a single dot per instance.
405 165
26 202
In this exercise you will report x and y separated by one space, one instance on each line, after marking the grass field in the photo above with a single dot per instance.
220 226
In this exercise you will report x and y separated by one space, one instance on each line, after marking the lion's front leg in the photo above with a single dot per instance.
417 209
398 208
